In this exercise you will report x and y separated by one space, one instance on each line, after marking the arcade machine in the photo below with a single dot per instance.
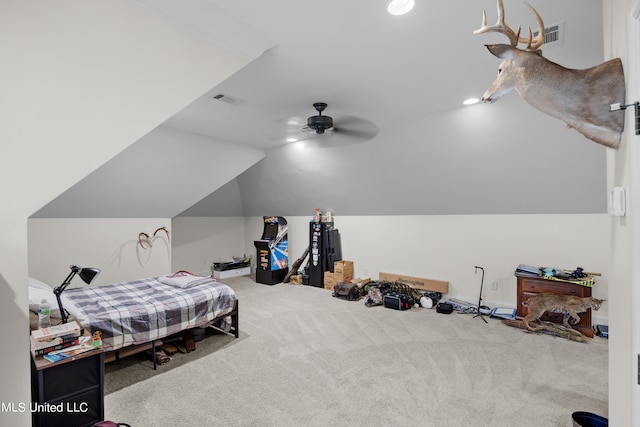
272 251
325 249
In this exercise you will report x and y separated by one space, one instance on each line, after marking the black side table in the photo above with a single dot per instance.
68 393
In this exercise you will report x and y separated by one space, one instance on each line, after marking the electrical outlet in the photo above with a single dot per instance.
494 286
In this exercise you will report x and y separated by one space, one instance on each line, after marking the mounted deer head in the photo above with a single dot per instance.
580 98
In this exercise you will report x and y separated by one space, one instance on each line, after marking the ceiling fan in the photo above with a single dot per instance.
322 130
320 123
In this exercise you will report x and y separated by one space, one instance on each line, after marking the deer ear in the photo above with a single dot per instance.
502 51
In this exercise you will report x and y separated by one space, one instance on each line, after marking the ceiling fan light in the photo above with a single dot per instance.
400 7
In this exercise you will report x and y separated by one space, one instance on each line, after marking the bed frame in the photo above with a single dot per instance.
123 352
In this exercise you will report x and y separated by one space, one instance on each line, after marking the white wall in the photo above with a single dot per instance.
108 244
442 247
80 81
447 247
199 242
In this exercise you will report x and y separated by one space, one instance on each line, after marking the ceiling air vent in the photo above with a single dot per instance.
228 99
552 34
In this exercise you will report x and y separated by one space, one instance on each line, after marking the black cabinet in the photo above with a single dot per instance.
325 249
68 393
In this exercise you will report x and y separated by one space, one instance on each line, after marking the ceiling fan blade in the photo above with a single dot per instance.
346 120
356 128
286 128
338 138
286 138
364 134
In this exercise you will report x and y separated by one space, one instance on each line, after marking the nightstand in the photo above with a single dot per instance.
68 393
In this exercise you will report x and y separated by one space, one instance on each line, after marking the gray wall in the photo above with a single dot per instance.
503 158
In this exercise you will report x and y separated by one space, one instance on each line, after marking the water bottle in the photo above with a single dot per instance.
44 315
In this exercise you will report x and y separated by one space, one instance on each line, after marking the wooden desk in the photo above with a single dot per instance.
529 286
68 393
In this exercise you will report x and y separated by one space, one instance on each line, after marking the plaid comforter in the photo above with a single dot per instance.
143 310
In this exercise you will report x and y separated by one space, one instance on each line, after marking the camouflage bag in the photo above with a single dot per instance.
401 288
374 297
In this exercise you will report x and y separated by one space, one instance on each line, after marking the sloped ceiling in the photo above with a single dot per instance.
408 75
154 178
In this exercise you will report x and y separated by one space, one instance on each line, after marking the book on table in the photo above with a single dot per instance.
56 356
39 348
62 330
527 270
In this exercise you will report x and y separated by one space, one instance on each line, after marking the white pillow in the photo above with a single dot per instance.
39 291
38 284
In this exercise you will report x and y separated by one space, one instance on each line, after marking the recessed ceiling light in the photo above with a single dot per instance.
470 101
400 7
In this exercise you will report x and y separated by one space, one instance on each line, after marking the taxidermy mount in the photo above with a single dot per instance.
580 98
568 305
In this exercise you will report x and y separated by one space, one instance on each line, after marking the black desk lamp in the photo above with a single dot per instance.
86 274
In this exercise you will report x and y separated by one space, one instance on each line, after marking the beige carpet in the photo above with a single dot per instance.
306 359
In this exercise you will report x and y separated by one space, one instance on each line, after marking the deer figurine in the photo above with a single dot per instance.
580 98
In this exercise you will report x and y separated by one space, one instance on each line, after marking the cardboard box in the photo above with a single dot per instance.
343 267
329 280
342 278
417 282
343 271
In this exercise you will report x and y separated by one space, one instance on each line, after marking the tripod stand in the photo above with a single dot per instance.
479 313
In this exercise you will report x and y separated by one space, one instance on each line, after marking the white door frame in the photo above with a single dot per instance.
633 141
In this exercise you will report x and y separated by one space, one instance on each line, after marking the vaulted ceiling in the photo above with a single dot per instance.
400 78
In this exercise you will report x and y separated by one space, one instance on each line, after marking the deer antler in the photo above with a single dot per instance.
514 36
163 229
534 43
146 239
499 27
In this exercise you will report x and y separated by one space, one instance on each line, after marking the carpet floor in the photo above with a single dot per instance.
304 358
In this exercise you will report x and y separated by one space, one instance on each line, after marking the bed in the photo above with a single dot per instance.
131 314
